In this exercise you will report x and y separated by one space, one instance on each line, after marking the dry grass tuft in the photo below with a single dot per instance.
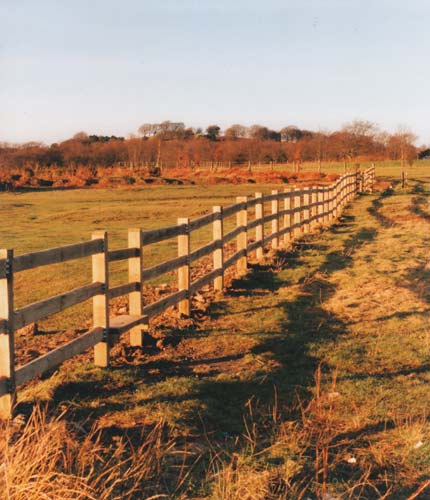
45 459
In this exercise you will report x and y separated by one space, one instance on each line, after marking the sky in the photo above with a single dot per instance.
107 66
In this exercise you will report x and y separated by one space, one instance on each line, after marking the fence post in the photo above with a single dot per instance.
7 346
325 218
336 199
331 202
346 190
297 213
343 190
306 211
259 230
320 205
275 221
184 271
100 265
287 216
218 254
242 240
135 266
314 207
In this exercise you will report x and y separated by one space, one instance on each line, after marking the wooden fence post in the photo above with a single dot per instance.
242 239
346 190
7 347
330 203
259 230
336 199
218 254
287 216
314 208
297 213
275 221
135 267
184 271
100 265
306 211
325 205
320 205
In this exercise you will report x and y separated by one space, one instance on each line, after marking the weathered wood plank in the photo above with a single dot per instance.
164 267
204 280
201 221
251 202
233 209
123 323
165 233
234 258
57 356
4 390
270 218
3 325
204 250
42 309
3 268
254 223
57 255
254 245
118 291
232 234
123 254
161 305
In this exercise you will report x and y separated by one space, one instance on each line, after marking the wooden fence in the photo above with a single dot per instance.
292 213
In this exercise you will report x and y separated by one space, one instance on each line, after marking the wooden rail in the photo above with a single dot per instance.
293 213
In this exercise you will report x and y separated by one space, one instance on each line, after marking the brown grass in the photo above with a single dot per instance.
47 459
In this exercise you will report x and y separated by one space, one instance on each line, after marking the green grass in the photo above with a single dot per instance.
352 300
45 219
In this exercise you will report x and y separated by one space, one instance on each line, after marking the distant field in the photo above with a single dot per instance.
387 168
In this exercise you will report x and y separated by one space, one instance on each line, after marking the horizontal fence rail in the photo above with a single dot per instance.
288 215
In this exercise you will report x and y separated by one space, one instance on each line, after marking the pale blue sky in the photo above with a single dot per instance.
106 66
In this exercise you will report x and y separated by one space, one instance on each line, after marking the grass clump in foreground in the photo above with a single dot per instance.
309 379
48 459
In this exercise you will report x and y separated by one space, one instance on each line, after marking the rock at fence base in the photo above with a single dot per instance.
162 343
163 288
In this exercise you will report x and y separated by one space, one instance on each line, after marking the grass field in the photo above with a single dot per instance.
40 220
309 379
388 168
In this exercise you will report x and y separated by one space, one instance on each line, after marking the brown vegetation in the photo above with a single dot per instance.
179 154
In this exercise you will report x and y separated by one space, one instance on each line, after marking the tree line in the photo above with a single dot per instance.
172 144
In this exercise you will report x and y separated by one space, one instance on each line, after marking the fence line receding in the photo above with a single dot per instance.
292 213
